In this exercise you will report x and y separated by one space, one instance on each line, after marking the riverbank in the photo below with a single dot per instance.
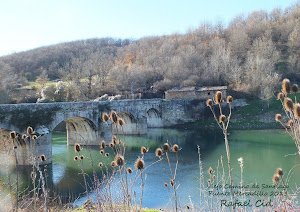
253 114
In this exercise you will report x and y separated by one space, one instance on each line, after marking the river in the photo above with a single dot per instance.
262 150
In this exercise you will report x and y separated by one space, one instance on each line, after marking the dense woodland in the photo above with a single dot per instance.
251 55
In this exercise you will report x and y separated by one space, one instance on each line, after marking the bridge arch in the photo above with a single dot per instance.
130 124
80 130
154 118
87 116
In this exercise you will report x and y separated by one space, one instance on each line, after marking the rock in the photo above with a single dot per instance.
102 98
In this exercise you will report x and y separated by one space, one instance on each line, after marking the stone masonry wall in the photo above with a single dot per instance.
191 95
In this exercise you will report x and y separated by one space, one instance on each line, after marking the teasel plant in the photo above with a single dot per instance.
165 150
286 200
77 149
292 111
126 177
223 123
32 139
29 140
118 164
13 137
42 158
81 157
36 167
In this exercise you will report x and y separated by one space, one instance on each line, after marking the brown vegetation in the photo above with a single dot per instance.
250 55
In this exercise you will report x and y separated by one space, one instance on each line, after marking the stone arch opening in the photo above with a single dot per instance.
130 126
65 134
154 118
79 130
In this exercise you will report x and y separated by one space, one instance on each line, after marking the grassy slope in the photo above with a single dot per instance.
37 86
257 114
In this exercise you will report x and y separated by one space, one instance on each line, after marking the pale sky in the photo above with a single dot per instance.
27 24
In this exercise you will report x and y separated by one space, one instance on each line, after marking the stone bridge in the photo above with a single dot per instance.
84 124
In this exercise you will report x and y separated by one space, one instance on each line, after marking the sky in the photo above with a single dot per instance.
28 24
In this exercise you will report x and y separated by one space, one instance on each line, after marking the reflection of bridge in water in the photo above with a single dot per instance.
84 124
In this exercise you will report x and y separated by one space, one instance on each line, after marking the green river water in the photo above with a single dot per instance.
262 150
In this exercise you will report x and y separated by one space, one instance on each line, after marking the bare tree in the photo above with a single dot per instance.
260 66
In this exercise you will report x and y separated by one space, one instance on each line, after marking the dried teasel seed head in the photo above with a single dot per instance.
297 110
113 164
139 164
290 123
106 154
77 148
113 116
279 171
218 97
158 152
121 122
275 178
222 118
166 147
286 86
210 171
100 164
187 207
288 104
172 183
29 130
208 180
101 152
75 158
129 170
12 134
229 99
111 145
105 117
114 139
143 150
166 184
280 96
278 117
102 145
214 177
295 88
175 148
34 137
81 157
24 136
209 102
42 158
119 159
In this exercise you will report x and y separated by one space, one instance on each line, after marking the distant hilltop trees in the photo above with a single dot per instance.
251 55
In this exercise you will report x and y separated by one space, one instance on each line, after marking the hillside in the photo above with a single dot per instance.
251 55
